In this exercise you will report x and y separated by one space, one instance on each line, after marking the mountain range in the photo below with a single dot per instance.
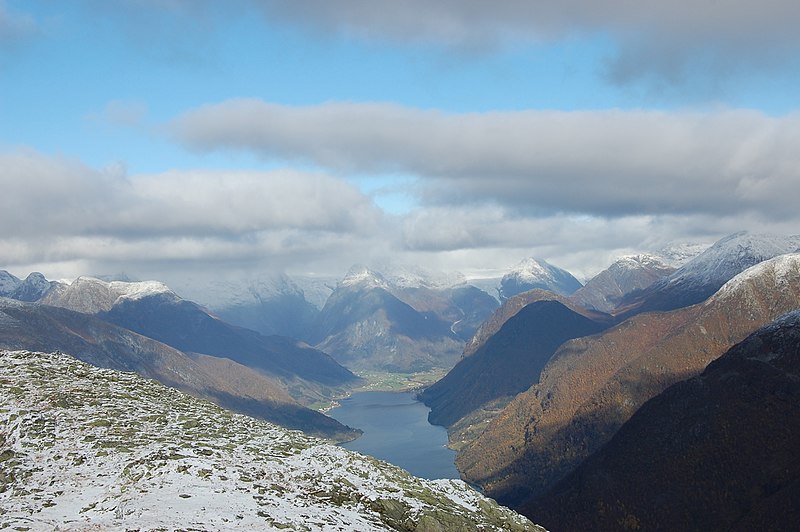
701 277
366 327
592 385
544 393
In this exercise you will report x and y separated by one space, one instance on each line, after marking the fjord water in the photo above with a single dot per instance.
396 430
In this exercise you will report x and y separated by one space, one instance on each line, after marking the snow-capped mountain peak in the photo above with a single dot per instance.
138 289
361 276
531 269
734 254
537 273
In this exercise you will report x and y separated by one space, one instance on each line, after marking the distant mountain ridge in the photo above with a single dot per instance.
33 288
702 276
364 326
272 304
628 274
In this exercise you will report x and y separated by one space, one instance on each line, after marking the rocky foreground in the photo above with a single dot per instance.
88 448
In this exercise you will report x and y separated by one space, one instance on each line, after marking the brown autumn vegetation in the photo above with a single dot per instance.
593 385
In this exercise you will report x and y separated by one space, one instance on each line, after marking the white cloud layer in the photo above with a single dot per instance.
656 41
61 211
608 163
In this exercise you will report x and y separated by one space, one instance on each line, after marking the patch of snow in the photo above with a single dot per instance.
405 276
362 276
676 255
138 290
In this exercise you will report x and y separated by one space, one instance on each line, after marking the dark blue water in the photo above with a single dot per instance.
396 430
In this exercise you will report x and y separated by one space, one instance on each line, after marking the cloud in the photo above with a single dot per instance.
657 42
59 210
607 163
14 27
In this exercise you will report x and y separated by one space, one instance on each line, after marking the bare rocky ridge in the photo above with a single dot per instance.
592 385
83 448
715 452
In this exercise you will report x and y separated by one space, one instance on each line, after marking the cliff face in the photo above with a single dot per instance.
714 452
593 385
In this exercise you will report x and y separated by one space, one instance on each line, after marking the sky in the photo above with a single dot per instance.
174 139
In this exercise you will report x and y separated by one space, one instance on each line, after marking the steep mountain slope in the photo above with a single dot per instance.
513 305
90 449
715 452
45 328
186 326
536 273
591 386
364 326
508 363
153 310
627 274
705 274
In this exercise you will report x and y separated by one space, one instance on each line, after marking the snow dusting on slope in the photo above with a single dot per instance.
138 290
87 448
8 283
731 256
780 271
363 277
531 270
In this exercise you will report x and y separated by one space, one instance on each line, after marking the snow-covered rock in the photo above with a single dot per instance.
701 277
8 283
678 254
536 273
628 273
778 271
92 295
406 276
33 288
84 448
363 277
